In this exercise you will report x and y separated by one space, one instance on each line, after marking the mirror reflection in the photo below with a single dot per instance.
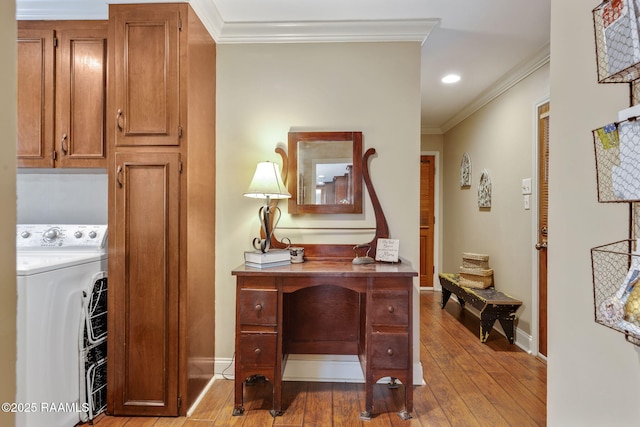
323 176
324 173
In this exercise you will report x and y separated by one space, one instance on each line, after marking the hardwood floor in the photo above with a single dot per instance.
467 384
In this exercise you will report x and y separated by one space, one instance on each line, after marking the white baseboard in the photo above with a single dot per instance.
319 368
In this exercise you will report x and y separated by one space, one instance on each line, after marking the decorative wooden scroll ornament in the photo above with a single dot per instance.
339 252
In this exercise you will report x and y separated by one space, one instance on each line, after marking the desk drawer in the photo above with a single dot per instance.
390 308
390 351
257 350
258 306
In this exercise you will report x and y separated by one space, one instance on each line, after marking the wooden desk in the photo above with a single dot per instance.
325 307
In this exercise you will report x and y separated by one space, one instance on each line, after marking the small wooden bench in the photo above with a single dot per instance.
493 305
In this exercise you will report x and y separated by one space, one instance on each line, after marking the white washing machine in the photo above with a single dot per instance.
54 263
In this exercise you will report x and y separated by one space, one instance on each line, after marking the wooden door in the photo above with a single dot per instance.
81 84
146 65
143 285
427 219
35 97
543 226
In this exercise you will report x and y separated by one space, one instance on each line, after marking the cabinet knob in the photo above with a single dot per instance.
257 351
258 307
390 309
390 352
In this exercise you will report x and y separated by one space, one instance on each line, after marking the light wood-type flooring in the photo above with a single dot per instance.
467 384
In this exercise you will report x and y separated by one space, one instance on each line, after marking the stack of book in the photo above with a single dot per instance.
272 258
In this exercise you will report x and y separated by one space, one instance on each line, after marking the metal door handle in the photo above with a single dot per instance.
542 245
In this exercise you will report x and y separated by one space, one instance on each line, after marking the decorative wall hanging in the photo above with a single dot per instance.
484 190
465 171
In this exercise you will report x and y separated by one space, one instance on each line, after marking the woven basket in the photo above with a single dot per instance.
478 278
471 260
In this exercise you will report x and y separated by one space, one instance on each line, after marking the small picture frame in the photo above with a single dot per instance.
484 190
465 171
387 250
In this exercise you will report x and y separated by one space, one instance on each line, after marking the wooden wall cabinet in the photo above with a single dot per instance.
62 78
161 166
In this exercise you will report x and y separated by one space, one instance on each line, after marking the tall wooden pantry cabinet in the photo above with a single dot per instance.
161 165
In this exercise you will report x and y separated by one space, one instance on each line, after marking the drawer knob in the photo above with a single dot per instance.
258 307
390 309
257 351
390 352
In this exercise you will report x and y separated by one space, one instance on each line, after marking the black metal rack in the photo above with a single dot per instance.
93 349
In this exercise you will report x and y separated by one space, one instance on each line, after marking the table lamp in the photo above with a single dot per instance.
267 184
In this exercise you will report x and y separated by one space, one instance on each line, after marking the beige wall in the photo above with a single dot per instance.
264 90
500 138
434 143
593 373
8 214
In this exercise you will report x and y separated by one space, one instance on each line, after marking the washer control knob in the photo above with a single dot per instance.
92 234
25 234
78 234
51 234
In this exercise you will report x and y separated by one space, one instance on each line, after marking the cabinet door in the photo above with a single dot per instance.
144 279
145 80
81 84
35 97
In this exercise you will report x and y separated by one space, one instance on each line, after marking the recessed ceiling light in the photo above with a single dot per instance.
451 78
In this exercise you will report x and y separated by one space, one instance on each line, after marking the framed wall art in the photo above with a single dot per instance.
465 171
484 190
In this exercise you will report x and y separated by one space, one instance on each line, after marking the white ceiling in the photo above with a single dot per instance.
491 43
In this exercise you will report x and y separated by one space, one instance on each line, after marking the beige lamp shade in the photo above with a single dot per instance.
267 183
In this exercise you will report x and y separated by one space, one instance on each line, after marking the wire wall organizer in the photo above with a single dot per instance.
616 266
617 41
616 272
617 151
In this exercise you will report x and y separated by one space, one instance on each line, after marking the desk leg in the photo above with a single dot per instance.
277 398
408 401
238 408
368 392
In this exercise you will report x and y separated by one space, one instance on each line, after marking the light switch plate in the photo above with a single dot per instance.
527 202
526 186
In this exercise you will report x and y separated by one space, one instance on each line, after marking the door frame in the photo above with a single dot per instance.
437 226
535 300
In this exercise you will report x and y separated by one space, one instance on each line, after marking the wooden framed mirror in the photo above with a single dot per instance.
325 172
338 252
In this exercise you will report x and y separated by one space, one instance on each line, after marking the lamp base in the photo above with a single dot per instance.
266 216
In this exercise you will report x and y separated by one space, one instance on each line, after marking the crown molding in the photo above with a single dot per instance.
506 82
414 30
209 15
